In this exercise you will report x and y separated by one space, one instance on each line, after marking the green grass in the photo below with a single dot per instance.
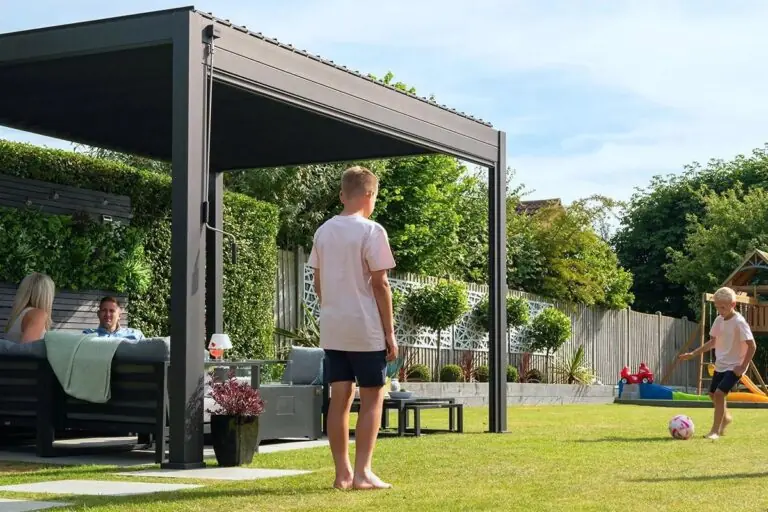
601 457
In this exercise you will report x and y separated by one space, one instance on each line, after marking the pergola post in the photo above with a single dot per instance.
185 382
214 270
497 289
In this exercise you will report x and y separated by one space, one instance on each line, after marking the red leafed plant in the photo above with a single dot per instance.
235 398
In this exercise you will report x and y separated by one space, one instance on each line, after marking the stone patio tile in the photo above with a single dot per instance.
7 505
95 487
217 473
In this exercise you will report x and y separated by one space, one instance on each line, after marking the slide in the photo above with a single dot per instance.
751 386
658 392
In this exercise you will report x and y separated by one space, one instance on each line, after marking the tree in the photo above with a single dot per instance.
306 196
558 254
655 225
549 330
733 224
438 307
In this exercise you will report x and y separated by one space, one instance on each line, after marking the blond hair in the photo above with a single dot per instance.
357 181
35 291
725 294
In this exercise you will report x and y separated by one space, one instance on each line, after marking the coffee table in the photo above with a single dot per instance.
404 405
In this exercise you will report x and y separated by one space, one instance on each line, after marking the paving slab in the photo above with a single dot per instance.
129 459
28 506
217 473
95 487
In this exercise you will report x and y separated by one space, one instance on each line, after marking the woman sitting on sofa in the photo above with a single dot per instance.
31 312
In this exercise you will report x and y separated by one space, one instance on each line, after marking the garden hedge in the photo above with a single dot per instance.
249 286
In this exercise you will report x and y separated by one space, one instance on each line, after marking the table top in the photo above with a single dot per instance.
388 400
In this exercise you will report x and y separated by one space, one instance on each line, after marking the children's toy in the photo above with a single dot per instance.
643 375
681 427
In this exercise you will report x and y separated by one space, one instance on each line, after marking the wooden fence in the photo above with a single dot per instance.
611 338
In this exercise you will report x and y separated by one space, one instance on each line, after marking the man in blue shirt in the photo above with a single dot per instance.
109 322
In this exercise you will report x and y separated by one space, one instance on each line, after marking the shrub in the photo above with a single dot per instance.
518 312
534 375
451 373
482 373
248 286
398 301
512 374
419 372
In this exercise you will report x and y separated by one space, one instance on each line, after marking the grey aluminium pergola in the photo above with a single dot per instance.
140 84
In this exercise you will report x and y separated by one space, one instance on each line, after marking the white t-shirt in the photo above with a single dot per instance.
346 250
730 341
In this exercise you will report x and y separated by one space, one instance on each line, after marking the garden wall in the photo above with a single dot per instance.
139 253
476 393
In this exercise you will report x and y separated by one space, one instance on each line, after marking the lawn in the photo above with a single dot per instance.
596 457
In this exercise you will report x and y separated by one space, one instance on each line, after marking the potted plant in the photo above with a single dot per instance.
234 420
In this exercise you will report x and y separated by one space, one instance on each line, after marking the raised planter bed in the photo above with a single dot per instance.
476 393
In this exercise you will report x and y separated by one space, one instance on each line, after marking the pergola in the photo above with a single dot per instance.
182 86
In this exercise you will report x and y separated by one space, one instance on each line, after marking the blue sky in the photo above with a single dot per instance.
595 96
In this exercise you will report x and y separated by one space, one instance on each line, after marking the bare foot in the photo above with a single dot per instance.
368 482
342 484
712 435
726 421
343 480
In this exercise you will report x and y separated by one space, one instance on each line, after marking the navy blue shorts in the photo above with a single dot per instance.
724 381
369 369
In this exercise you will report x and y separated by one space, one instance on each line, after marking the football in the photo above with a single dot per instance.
681 427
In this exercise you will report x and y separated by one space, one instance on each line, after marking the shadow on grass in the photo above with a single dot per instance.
701 478
618 439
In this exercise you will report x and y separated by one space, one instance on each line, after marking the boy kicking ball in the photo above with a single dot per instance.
734 346
351 257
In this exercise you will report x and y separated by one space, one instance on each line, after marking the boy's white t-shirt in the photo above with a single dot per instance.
346 249
730 341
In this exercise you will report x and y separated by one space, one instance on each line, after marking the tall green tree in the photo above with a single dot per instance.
655 225
733 224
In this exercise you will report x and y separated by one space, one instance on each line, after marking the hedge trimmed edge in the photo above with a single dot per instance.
249 286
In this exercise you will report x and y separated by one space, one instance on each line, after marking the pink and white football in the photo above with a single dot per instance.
681 427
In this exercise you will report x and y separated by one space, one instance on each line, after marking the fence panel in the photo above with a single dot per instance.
611 338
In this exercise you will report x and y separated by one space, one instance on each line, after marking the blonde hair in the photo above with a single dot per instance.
35 291
725 294
357 181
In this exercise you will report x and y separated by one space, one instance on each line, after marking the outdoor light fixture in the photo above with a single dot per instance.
218 344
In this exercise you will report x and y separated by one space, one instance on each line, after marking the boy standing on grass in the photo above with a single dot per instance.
734 346
351 257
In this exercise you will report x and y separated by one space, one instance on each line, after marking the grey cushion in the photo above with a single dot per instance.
34 349
306 366
148 350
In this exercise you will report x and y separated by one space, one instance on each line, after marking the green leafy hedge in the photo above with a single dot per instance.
249 286
56 244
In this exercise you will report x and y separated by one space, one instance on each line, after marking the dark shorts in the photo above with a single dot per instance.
724 381
369 369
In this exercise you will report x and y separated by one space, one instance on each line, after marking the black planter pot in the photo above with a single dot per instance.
235 438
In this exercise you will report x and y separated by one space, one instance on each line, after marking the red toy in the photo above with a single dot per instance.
643 375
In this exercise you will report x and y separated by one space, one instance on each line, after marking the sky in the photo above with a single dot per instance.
596 96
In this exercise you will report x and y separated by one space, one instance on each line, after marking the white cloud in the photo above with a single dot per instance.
705 65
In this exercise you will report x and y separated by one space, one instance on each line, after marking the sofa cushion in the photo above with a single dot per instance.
148 350
32 349
306 366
